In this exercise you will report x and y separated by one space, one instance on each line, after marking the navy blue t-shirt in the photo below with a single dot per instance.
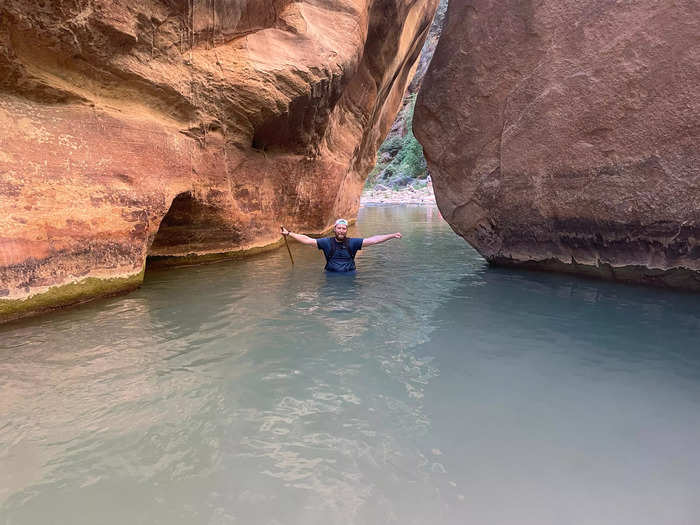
342 260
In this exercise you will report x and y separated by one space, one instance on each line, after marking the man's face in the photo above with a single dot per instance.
341 231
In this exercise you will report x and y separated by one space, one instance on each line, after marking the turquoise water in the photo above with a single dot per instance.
429 388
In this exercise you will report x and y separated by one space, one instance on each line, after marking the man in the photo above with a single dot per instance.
339 250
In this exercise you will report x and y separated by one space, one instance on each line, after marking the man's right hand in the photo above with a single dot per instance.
284 230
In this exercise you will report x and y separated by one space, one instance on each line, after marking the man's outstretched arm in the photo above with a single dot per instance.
303 239
376 239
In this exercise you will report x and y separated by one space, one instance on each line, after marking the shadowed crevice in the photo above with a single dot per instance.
193 226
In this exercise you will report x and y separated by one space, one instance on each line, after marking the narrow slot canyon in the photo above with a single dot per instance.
457 253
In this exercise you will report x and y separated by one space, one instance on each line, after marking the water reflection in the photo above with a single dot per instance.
568 398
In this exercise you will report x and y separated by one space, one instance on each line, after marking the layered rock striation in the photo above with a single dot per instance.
563 135
176 129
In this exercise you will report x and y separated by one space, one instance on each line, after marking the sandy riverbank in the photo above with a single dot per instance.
407 195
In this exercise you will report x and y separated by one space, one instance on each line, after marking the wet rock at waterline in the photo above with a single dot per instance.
564 135
142 128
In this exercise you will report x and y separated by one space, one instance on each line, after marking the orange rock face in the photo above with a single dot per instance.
133 128
564 135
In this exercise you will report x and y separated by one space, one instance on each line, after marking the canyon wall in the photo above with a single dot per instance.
400 162
177 129
563 135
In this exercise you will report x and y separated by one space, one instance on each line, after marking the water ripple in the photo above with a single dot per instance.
427 388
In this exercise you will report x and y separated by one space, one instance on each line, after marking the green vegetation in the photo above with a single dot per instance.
400 160
78 292
392 145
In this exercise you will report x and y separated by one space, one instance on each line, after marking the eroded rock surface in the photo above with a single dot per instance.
214 121
564 134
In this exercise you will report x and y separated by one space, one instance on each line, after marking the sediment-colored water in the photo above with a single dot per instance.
428 388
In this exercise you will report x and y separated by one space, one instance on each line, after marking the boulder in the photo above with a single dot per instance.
400 181
563 135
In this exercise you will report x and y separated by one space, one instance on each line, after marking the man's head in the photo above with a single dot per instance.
340 229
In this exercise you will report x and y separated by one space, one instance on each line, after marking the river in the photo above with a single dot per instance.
427 389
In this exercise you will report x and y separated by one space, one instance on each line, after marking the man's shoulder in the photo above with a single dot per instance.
356 243
323 242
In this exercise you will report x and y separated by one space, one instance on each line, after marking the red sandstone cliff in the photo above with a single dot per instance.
153 127
563 134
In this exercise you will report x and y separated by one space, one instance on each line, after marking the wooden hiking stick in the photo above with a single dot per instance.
288 250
